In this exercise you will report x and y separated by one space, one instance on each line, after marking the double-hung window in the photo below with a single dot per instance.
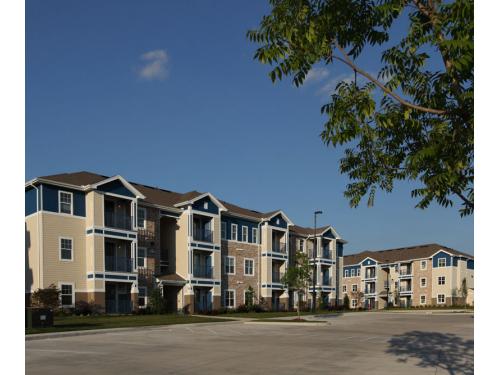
223 230
441 298
254 235
344 288
346 273
234 232
141 255
353 272
423 282
423 299
67 295
441 280
354 287
66 248
354 303
358 272
229 298
423 265
442 262
301 245
65 202
141 217
229 265
244 234
248 267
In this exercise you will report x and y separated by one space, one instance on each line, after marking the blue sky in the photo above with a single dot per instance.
167 94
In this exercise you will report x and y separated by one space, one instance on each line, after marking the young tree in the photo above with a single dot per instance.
414 120
298 277
47 298
464 291
346 302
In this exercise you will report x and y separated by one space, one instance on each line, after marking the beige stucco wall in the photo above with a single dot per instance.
54 269
31 253
181 239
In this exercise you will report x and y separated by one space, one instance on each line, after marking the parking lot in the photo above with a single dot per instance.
358 343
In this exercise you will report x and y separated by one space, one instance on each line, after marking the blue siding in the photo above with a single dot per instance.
240 222
470 264
349 268
329 234
441 254
368 262
30 206
282 222
340 249
455 261
212 207
116 187
51 199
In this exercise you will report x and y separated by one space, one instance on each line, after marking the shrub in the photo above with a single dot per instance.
346 302
158 304
243 309
46 298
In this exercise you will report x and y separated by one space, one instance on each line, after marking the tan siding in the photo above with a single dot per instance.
31 253
181 257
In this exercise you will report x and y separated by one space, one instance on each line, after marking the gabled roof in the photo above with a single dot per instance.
193 196
304 231
270 215
125 183
402 254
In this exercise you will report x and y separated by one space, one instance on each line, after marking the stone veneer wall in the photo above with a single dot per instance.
417 289
239 282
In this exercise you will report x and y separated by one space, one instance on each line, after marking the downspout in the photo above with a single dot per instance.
259 236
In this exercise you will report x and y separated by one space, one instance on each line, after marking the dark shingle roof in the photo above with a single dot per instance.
401 254
308 231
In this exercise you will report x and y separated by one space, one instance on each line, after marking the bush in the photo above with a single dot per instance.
46 298
242 309
346 302
157 303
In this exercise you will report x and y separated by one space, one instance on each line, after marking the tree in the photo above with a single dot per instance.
358 296
157 302
298 277
464 290
346 302
414 119
249 297
48 298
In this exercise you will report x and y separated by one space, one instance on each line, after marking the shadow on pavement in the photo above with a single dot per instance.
435 349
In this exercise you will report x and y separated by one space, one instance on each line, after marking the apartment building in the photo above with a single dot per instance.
424 275
111 241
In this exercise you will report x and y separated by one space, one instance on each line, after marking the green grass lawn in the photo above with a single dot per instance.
77 323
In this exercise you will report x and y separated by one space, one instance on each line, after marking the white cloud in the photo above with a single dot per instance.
155 65
316 75
329 87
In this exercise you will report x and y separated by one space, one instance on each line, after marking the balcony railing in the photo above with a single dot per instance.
279 247
326 253
404 289
277 277
118 221
405 272
118 264
118 307
205 235
205 272
370 291
369 275
326 281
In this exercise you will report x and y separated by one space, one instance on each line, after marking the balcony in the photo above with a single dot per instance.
370 291
118 264
326 253
404 272
279 248
277 277
326 281
405 290
370 275
204 235
118 221
205 272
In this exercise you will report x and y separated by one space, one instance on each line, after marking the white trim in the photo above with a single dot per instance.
423 268
144 219
244 267
72 248
255 238
234 264
62 214
234 298
287 219
59 286
231 236
438 263
201 196
444 280
423 278
59 202
352 287
203 213
425 299
444 299
132 189
242 232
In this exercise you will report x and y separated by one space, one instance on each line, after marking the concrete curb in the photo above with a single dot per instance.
303 324
54 335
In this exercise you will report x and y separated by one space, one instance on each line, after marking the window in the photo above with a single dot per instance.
223 230
66 249
344 288
354 287
358 272
423 282
229 298
205 205
141 217
353 272
278 221
66 295
248 267
441 298
346 273
442 262
254 235
441 280
65 202
229 265
423 300
423 265
234 232
141 254
301 245
354 303
143 293
244 233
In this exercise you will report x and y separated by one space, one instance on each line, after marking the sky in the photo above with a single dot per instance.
168 94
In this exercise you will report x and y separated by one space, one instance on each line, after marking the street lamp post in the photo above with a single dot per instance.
316 213
387 286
